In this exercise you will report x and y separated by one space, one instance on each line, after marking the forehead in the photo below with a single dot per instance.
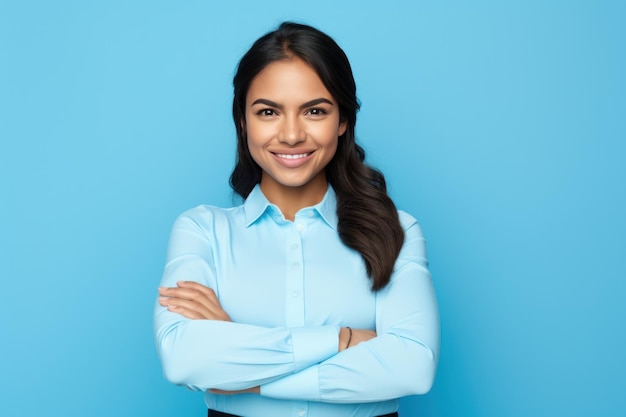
287 80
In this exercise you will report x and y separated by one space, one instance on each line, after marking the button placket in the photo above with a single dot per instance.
294 302
300 409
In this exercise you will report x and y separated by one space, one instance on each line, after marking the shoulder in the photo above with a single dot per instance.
409 223
414 248
206 217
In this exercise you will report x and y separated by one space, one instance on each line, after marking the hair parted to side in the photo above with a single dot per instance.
368 219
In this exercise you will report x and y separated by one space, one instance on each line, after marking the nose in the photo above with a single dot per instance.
291 131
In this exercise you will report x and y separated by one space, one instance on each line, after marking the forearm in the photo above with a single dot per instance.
362 374
205 354
400 361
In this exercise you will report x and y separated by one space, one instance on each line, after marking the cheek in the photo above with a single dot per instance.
330 136
258 133
255 137
333 148
253 147
252 135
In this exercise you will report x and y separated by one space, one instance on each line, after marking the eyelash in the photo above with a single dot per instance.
315 111
320 111
266 112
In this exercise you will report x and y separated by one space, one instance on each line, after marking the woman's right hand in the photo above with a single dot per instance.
358 335
193 301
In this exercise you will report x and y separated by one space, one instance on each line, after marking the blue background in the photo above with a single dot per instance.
499 125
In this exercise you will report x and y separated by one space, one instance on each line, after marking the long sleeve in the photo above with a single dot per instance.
288 287
203 354
400 361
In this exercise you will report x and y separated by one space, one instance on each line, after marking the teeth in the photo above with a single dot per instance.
288 156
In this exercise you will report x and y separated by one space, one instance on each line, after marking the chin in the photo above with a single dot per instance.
300 181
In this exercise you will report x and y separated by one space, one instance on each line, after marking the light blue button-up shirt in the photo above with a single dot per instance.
288 288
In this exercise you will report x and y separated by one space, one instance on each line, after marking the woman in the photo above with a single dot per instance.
313 298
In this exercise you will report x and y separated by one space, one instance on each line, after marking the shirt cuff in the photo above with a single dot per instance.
303 386
312 345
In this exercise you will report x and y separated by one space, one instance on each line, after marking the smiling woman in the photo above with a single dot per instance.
293 126
313 297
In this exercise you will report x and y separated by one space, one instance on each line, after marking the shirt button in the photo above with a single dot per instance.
310 214
294 265
295 294
301 412
294 246
299 227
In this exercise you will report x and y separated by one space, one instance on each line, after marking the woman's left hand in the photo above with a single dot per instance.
193 301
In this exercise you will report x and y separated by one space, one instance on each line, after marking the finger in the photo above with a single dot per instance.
208 292
191 290
190 306
190 294
196 310
196 292
190 314
201 293
190 285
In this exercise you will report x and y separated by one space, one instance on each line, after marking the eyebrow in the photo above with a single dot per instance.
309 103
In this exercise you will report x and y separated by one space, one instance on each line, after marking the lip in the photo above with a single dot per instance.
292 159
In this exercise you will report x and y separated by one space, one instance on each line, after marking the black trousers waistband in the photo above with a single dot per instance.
213 413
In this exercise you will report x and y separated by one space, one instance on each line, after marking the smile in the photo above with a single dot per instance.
290 156
293 160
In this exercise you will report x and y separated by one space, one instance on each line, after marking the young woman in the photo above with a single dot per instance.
313 298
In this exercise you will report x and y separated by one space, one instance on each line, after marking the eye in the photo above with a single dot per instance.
317 111
267 112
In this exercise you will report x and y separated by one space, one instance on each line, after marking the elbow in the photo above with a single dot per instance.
415 379
426 372
424 384
175 370
179 372
175 360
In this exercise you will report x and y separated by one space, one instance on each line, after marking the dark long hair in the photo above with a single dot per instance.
368 219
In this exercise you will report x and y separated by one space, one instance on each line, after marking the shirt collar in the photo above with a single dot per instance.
327 208
257 204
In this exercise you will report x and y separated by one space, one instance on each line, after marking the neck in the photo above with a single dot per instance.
291 199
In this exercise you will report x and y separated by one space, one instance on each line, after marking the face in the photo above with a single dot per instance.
293 125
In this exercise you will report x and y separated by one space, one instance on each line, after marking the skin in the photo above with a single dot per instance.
289 112
293 127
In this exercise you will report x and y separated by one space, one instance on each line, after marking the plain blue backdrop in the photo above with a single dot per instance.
500 125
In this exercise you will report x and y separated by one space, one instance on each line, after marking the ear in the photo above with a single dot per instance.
343 126
242 124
